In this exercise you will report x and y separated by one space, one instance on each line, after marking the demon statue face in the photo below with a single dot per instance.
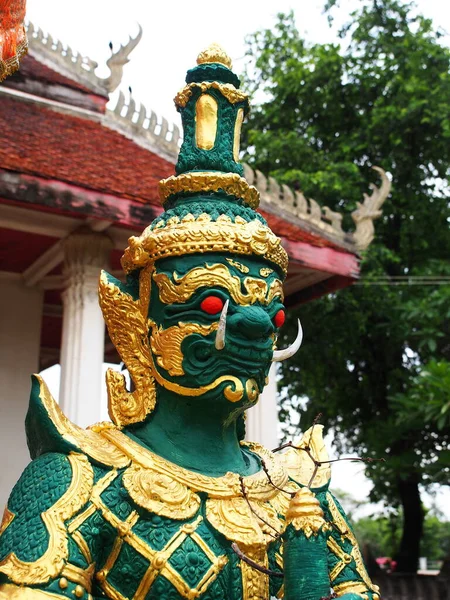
203 303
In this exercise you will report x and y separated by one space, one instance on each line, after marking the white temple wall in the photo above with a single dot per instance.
262 419
20 331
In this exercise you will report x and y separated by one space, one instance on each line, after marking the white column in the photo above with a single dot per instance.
82 347
20 331
262 419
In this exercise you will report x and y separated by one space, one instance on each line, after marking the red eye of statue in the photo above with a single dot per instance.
212 305
279 318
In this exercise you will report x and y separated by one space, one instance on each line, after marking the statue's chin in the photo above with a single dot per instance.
232 388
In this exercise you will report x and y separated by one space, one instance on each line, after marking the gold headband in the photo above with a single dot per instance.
191 235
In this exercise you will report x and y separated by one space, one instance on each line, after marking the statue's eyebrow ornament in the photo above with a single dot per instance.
246 291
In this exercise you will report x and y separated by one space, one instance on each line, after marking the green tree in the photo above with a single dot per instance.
381 534
327 113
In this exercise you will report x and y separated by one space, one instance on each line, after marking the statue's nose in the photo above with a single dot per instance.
251 322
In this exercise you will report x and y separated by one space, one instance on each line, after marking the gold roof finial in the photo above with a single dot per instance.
214 54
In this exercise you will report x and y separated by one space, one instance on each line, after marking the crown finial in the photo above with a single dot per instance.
214 54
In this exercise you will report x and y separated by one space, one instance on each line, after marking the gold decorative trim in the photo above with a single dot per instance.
80 576
82 545
237 134
344 558
257 485
253 526
126 320
281 501
305 514
346 532
301 467
88 440
12 64
239 266
81 518
7 519
160 493
159 562
166 343
229 183
226 508
247 292
265 272
206 109
232 94
214 54
51 563
352 587
9 591
192 235
255 585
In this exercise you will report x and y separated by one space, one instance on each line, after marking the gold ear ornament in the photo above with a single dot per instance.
126 320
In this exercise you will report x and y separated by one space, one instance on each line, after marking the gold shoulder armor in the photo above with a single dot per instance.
16 592
49 430
301 461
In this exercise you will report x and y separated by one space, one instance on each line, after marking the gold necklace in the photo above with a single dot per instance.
244 509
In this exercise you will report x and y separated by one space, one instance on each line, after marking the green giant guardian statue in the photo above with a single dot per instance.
166 502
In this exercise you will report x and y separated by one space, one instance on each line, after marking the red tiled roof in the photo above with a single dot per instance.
31 68
40 141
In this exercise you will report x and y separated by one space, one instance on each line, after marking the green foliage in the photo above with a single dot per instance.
327 113
382 535
428 398
436 538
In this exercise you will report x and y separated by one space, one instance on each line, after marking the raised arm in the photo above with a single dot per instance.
320 550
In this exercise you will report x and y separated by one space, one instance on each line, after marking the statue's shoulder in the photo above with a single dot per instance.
50 431
307 460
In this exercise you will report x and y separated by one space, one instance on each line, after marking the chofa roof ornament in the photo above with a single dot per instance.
369 210
118 60
73 64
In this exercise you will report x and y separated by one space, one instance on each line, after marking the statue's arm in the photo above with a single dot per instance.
39 556
320 552
347 572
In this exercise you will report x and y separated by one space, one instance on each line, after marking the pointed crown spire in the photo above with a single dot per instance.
209 205
214 54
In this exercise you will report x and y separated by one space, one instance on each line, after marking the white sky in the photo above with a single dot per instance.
174 33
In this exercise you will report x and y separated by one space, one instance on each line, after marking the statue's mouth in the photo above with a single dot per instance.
242 359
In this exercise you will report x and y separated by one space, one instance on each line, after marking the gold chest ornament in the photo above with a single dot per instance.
248 511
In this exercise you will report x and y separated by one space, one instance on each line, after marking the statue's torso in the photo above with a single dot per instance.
115 520
160 531
146 555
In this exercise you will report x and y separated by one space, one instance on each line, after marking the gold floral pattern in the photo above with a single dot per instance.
227 90
191 235
166 343
230 183
181 288
160 493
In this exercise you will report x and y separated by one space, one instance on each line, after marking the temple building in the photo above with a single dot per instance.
77 179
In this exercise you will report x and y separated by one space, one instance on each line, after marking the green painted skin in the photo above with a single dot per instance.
199 433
